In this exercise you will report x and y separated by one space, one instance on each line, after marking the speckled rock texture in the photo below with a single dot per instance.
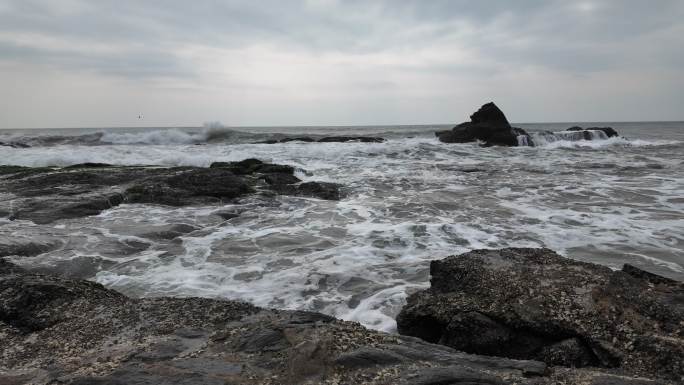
59 331
535 304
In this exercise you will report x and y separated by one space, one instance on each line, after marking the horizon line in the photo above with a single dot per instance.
332 125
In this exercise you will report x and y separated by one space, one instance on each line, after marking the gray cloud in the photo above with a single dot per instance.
397 50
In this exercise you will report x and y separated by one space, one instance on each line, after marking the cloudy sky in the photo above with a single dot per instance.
75 63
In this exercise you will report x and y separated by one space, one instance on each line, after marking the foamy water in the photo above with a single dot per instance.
407 201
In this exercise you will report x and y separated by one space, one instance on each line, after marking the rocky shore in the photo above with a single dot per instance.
535 304
46 194
59 331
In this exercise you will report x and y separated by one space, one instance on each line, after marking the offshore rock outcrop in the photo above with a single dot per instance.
60 331
535 304
489 125
587 132
325 139
46 194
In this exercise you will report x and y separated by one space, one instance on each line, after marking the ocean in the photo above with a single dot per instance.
405 202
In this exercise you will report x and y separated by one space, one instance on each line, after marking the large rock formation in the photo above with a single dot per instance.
535 304
59 331
489 125
45 194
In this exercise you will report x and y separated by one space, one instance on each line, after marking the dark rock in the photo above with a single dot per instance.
7 268
451 375
535 304
81 267
215 183
58 331
571 352
15 144
489 125
89 165
645 275
252 166
342 139
44 195
8 169
26 247
298 139
279 178
366 357
609 131
227 214
263 340
170 231
321 190
326 139
243 167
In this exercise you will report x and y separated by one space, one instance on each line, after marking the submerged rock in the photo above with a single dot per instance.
342 139
14 144
46 194
26 247
609 131
60 331
326 139
535 304
489 125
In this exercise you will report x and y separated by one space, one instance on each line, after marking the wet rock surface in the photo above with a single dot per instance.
535 304
60 331
489 125
46 194
326 139
609 131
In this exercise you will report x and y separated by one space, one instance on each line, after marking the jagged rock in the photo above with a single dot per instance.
489 125
46 194
59 331
535 304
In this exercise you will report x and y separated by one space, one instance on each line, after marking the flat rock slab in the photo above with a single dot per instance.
47 194
535 304
60 331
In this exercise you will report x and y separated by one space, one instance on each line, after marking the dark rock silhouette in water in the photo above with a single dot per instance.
325 139
489 125
535 304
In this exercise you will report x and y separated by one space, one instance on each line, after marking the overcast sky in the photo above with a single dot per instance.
74 63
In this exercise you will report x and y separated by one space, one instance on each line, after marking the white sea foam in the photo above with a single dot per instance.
160 137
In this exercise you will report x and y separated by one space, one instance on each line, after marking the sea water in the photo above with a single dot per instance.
406 201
